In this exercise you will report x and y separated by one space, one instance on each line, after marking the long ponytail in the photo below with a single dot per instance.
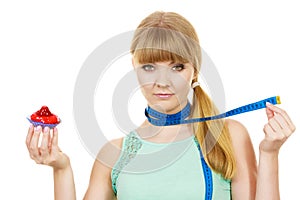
213 136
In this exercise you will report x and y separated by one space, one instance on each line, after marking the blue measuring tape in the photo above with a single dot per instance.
161 119
207 174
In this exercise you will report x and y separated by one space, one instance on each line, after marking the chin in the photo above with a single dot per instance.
166 106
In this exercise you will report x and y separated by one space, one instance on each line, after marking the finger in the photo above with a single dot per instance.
44 148
283 124
275 125
55 137
269 131
282 112
269 112
274 136
54 141
29 136
34 151
50 139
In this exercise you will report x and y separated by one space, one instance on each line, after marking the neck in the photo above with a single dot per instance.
162 134
163 119
161 126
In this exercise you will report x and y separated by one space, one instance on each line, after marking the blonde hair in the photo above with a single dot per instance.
167 36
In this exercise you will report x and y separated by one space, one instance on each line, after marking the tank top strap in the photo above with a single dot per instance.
130 147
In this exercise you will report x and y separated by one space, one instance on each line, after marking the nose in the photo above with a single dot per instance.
163 78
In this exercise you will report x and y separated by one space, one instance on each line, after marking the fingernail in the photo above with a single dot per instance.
46 129
268 103
37 129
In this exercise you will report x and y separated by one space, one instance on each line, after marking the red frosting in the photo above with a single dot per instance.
44 116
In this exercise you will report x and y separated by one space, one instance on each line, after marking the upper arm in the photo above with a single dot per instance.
100 185
244 182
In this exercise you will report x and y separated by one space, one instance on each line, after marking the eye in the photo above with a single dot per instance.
148 67
178 67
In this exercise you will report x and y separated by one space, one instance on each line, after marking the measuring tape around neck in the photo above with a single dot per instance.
161 119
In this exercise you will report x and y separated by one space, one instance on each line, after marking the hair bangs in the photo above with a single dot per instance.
151 55
154 44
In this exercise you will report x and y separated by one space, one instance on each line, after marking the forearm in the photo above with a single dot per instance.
64 187
267 177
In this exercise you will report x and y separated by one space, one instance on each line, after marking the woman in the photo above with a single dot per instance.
207 160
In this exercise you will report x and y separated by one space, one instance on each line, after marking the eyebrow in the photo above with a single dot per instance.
170 63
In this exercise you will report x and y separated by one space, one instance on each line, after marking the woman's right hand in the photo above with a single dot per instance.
48 152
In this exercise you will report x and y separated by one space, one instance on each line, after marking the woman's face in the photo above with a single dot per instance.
165 85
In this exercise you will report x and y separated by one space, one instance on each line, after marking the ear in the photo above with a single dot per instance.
195 75
132 61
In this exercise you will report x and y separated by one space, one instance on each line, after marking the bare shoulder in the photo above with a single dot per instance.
237 130
241 140
100 185
118 141
244 180
110 152
235 125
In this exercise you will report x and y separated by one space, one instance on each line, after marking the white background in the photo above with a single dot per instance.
254 45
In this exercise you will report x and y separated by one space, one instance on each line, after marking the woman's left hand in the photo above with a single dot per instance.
278 129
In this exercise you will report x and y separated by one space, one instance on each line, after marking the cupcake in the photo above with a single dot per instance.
43 118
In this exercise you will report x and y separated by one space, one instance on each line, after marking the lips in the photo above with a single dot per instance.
163 95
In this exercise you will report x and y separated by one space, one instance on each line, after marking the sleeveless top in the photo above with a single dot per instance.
166 171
